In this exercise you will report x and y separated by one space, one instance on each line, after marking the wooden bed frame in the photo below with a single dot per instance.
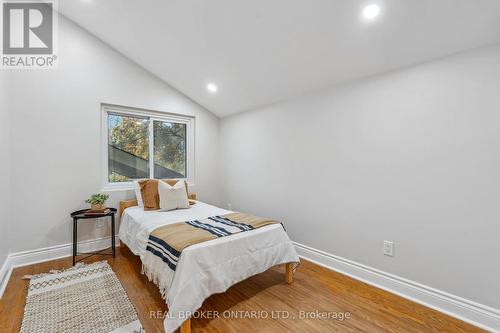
186 325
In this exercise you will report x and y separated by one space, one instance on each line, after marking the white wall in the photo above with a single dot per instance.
411 156
55 126
4 172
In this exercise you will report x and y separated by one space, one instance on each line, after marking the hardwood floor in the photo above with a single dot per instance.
314 288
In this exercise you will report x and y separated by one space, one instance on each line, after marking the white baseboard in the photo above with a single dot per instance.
474 313
24 258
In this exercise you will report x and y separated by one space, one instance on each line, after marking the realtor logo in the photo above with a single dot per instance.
28 31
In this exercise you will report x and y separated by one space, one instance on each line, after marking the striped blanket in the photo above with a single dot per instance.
165 244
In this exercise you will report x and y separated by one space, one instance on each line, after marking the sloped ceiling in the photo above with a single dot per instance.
262 51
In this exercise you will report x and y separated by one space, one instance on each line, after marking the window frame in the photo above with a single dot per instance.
152 116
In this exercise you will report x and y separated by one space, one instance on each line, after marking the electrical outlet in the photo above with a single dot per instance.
388 248
100 223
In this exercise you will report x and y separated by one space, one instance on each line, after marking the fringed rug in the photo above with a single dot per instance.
85 298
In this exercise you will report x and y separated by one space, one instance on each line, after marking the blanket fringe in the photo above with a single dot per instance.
154 268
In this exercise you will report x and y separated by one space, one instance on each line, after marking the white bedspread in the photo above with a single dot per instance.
210 267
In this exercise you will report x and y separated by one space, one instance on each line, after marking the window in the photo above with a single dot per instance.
145 144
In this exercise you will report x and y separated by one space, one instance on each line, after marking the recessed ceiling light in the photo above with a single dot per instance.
371 11
212 87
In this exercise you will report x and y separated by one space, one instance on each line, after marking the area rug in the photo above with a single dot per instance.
85 298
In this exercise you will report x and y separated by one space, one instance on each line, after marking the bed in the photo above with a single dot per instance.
210 267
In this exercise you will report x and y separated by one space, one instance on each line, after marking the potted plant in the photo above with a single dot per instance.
97 201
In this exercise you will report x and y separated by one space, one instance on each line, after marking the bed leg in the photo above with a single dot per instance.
289 272
186 326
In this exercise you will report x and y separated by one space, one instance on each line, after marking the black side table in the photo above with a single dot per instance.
80 215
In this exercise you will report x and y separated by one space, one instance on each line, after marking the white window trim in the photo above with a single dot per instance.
189 121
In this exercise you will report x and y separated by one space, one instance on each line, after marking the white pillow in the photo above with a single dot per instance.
138 195
173 197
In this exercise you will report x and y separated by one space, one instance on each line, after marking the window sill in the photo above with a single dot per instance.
130 187
112 188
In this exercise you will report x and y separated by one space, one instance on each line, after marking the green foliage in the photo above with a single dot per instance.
97 199
117 178
130 134
170 145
